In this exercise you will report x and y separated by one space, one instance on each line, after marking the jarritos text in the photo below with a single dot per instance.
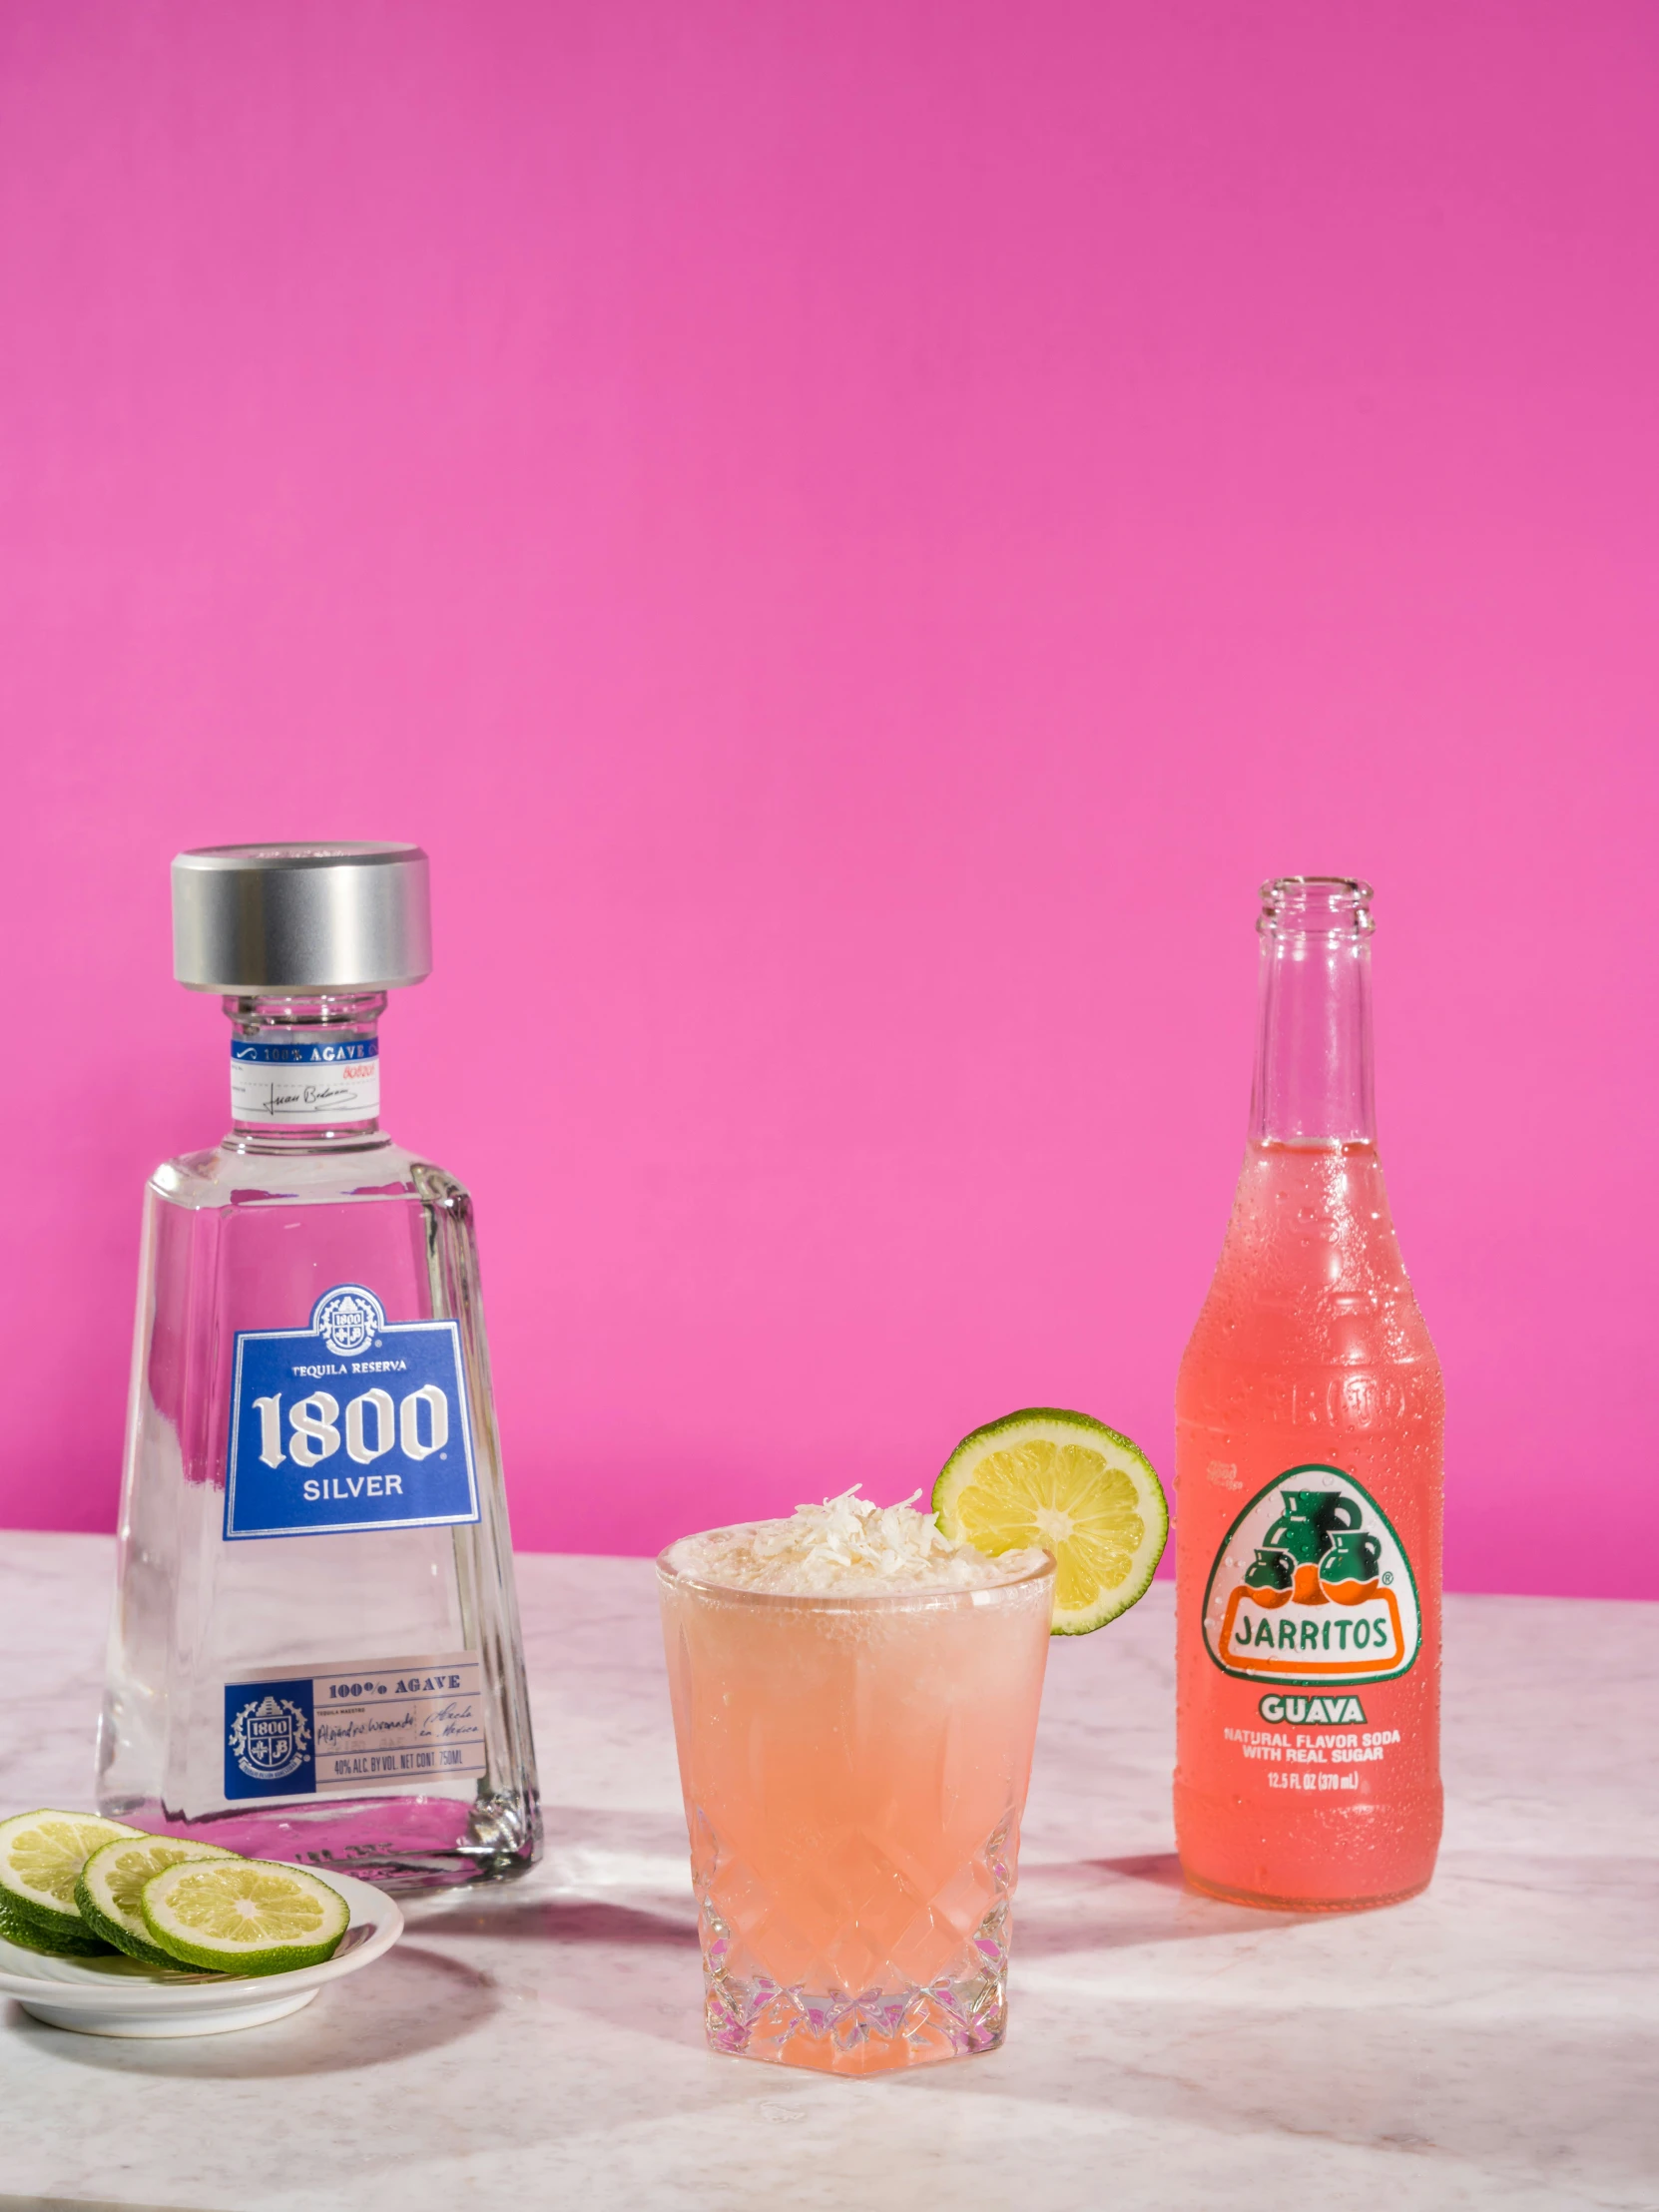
1312 1586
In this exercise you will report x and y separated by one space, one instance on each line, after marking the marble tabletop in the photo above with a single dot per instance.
1492 2042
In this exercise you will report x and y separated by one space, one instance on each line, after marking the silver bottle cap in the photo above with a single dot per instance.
301 917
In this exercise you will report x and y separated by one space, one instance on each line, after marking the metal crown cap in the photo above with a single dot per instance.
301 917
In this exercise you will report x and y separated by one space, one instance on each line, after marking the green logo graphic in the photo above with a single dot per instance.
1311 1587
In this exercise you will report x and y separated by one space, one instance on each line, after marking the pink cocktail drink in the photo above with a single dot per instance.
855 1762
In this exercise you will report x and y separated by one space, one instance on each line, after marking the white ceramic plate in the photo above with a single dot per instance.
122 1997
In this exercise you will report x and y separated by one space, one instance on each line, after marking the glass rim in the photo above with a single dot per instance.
1288 885
1316 907
848 1600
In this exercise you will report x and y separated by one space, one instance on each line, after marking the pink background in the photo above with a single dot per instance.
856 534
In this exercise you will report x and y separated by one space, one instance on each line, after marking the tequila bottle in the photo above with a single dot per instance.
314 1653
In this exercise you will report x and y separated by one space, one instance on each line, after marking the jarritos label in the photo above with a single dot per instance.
1312 1586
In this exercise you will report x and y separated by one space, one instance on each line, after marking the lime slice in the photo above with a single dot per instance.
243 1915
1078 1488
40 1857
112 1882
71 1942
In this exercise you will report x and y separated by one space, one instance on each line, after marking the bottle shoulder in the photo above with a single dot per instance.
1234 1327
1332 1360
1310 1275
234 1175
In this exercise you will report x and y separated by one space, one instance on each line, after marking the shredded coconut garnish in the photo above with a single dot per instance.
846 1546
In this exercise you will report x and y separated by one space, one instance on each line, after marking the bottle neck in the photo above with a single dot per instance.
1313 1043
305 1072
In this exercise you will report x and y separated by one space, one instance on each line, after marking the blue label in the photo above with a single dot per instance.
270 1739
354 1422
309 1055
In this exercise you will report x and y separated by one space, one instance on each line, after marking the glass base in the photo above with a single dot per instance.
872 2031
399 1844
1267 1904
876 2031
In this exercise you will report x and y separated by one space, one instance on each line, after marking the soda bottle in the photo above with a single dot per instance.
1309 1422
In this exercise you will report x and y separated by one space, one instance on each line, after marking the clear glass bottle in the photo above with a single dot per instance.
1308 1474
314 1653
